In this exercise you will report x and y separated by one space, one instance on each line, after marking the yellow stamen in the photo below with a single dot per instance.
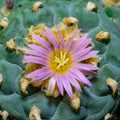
60 61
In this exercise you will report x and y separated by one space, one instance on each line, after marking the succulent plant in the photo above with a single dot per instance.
21 100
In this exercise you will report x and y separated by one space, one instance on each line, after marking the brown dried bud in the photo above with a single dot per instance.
36 6
11 44
1 79
35 113
113 85
75 102
111 2
4 22
70 21
102 36
24 85
91 6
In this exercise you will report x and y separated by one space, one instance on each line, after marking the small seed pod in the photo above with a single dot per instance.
36 6
4 22
70 21
102 36
91 6
1 79
35 113
113 85
75 102
24 85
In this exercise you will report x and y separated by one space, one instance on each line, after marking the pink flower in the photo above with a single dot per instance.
61 62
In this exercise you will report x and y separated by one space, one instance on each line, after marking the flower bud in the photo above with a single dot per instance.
9 4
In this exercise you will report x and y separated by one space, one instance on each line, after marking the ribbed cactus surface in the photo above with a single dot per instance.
95 102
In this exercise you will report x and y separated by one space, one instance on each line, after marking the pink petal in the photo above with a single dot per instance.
87 72
73 81
36 53
32 59
51 84
39 49
59 84
67 86
77 74
80 44
86 56
42 41
61 38
70 41
81 52
50 36
38 72
43 76
83 66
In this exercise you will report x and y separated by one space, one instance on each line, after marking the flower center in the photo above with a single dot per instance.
60 61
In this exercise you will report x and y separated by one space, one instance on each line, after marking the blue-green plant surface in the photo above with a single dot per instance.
97 101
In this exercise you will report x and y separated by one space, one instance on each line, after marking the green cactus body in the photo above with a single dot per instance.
96 101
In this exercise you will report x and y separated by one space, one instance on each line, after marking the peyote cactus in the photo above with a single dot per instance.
20 99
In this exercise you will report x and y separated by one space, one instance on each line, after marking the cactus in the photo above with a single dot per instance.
95 102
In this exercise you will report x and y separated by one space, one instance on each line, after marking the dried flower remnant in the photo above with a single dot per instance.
36 6
102 36
70 21
35 113
113 85
8 8
61 62
111 2
91 6
4 115
4 22
75 102
11 44
94 60
24 85
1 79
54 93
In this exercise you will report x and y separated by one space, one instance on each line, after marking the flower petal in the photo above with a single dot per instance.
70 41
50 36
42 41
77 74
36 53
43 76
61 38
84 66
51 84
39 49
59 84
73 81
81 53
86 56
38 72
33 59
67 86
87 72
80 44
